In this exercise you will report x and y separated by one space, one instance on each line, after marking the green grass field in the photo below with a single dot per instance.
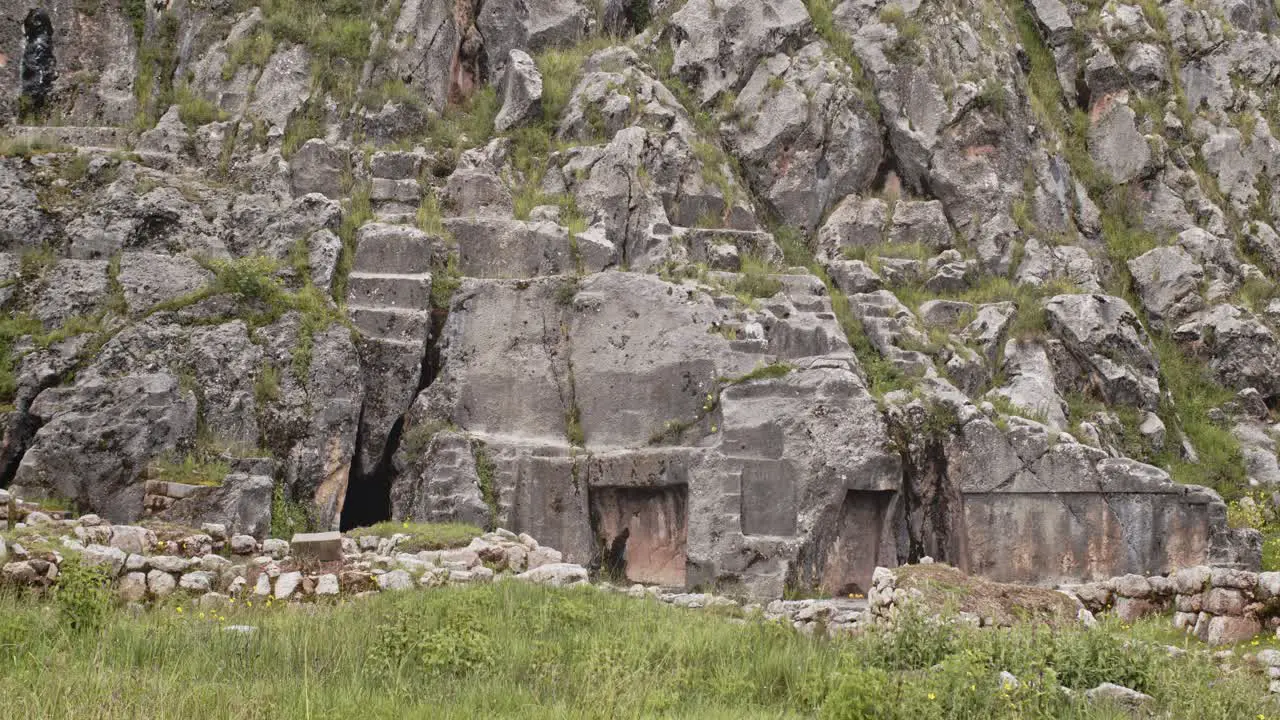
522 651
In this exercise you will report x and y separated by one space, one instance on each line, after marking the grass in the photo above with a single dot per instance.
31 146
763 371
12 328
194 110
1195 393
755 280
517 650
422 536
191 469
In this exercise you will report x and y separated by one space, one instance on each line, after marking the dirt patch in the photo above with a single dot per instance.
945 589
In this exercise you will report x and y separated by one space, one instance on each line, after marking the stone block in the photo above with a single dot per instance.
1224 630
318 547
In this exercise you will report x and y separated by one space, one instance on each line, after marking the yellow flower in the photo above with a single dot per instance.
201 616
1255 642
179 609
932 696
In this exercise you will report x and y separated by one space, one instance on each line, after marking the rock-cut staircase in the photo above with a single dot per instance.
389 300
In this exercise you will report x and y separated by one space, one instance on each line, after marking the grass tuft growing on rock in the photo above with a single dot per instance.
422 535
190 469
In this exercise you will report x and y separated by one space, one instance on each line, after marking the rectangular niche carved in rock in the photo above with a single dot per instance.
642 531
768 497
852 556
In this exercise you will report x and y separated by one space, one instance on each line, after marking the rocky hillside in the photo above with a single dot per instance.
752 294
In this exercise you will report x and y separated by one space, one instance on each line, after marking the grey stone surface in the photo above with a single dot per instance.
521 92
241 503
317 547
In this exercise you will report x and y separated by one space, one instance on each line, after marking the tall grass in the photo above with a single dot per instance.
516 650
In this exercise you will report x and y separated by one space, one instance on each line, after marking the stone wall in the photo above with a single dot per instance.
1219 605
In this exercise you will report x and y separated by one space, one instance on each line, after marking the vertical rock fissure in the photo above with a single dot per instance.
39 67
368 498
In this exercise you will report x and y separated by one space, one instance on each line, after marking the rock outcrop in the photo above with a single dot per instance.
753 294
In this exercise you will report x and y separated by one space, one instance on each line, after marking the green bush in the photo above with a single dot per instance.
288 516
414 640
83 594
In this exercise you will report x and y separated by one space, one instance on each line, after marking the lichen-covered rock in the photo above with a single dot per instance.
521 92
716 41
1105 339
806 141
96 437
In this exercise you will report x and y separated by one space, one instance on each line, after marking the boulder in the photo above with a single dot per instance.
521 92
1119 695
809 140
287 584
439 483
1116 146
1227 630
715 41
327 585
1168 283
96 437
241 504
318 167
132 587
556 575
160 584
395 580
1106 341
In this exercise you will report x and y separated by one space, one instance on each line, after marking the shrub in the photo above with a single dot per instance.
449 643
288 516
83 594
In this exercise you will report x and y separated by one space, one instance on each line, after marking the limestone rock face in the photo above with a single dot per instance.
521 93
717 42
138 416
716 292
804 139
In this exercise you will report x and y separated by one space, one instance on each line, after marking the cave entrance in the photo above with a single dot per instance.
368 498
852 556
642 532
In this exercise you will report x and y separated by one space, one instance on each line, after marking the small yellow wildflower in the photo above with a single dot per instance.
201 616
932 696
179 609
1255 642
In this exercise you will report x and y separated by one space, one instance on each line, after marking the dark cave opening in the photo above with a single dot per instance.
368 497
